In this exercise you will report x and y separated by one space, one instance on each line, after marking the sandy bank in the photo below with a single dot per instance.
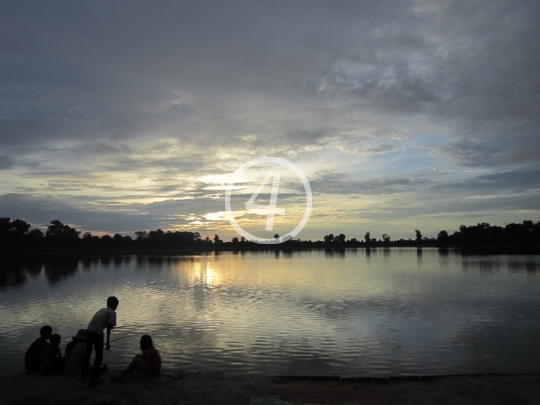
181 388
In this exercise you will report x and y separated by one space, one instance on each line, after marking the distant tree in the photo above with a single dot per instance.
442 237
156 238
235 240
118 240
418 236
106 241
386 239
329 238
217 241
90 241
13 232
367 238
141 235
34 238
60 235
341 238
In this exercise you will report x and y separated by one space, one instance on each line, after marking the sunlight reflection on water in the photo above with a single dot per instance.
348 313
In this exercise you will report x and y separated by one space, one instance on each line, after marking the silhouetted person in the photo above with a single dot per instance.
53 362
148 363
34 355
104 318
75 353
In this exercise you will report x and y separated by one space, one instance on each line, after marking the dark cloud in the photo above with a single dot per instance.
106 216
122 70
145 99
6 162
521 180
341 183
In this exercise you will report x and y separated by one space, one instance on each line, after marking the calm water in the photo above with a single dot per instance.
350 313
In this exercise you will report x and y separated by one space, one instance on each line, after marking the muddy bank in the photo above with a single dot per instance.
184 388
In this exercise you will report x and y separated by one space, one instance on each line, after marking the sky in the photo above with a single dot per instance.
128 115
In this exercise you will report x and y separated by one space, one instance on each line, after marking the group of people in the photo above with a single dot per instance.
44 354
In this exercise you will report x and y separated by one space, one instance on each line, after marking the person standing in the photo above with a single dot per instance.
104 318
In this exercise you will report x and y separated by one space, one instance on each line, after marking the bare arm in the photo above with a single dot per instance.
109 328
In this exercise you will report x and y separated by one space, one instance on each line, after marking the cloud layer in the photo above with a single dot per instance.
386 104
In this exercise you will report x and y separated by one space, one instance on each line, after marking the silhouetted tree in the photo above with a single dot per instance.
60 235
118 240
12 232
341 238
367 238
386 239
141 236
156 238
106 241
34 238
442 237
418 237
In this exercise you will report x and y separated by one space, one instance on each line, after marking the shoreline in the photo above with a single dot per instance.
193 388
52 253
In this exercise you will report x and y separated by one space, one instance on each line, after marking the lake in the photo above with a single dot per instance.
349 313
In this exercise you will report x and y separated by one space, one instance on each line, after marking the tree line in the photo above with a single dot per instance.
16 233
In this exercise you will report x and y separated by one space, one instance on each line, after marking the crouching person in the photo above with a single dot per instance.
75 354
35 354
148 363
53 362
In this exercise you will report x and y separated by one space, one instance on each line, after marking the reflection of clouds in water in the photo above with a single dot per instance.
304 313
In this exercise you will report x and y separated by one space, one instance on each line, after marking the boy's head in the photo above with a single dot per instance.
112 302
45 332
55 340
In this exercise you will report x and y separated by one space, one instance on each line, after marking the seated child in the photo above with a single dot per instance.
53 362
75 353
34 355
148 363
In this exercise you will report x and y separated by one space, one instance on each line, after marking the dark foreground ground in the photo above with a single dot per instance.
181 388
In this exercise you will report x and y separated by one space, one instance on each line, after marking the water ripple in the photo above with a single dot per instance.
310 314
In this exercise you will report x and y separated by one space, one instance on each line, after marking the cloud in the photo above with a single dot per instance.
6 162
107 216
342 183
208 74
135 103
521 180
